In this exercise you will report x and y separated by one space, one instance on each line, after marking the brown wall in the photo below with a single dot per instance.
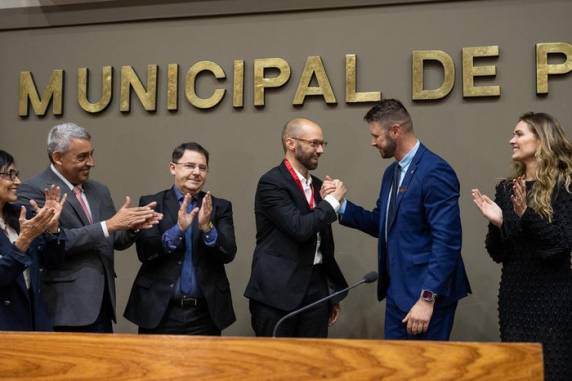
132 150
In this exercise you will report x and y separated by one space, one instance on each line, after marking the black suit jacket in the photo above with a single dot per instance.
286 230
160 270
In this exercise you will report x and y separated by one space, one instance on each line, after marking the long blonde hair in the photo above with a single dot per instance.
554 158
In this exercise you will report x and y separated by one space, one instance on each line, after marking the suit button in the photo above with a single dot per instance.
41 269
172 285
7 302
40 248
180 262
1 256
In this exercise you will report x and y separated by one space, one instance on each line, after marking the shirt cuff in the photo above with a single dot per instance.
104 228
333 202
172 238
210 238
343 205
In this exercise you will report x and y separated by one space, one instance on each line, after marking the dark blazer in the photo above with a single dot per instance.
74 291
160 270
22 309
286 231
423 247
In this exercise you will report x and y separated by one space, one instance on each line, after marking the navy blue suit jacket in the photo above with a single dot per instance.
22 309
423 247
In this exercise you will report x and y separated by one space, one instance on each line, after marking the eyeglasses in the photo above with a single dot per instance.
314 143
192 166
11 174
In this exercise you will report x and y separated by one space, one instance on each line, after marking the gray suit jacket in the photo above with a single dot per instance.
74 291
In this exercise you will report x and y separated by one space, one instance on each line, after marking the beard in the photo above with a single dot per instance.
389 150
308 160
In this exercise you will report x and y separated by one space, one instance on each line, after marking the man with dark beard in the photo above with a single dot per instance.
418 224
293 263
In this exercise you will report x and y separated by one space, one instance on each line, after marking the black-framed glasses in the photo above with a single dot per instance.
314 143
192 166
11 174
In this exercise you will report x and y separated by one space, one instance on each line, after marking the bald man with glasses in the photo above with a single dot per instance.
293 263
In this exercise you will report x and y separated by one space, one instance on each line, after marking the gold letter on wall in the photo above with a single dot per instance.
172 87
129 79
352 95
190 92
417 88
470 72
261 82
54 90
238 88
314 66
543 69
106 89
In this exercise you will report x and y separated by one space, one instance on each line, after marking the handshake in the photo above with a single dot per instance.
335 187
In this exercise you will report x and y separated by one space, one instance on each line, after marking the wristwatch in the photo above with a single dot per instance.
210 227
428 296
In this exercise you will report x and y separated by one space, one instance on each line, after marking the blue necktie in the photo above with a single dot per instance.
188 281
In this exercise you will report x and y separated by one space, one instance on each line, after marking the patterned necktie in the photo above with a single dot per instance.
393 198
77 190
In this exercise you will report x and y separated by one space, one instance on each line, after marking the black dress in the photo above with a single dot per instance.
535 296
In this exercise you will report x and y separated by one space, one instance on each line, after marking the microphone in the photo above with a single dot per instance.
367 278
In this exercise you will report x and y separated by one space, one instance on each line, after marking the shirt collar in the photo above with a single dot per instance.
53 168
408 158
180 195
305 181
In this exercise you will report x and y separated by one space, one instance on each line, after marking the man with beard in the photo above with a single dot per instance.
293 263
417 221
80 293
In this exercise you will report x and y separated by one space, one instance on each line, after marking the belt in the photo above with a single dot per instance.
187 302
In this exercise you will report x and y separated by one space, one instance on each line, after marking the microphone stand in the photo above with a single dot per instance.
287 316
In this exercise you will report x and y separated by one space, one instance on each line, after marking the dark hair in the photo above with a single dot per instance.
179 151
10 212
6 159
389 110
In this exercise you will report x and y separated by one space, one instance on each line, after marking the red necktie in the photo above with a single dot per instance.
78 191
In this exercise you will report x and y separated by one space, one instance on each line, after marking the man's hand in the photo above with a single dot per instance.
185 219
205 212
340 191
419 316
128 217
328 187
334 314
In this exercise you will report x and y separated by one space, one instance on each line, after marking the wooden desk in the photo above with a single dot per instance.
66 356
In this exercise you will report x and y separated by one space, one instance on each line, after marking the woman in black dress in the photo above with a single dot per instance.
530 233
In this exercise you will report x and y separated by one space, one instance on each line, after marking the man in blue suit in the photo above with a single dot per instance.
417 221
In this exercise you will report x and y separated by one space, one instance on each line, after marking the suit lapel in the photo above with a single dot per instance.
299 196
171 209
411 171
71 201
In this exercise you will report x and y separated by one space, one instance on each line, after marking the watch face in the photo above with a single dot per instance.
428 296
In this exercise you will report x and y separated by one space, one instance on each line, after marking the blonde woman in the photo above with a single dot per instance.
530 234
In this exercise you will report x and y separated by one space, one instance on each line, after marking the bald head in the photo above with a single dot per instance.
296 128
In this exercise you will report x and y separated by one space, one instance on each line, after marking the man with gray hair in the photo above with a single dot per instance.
81 292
